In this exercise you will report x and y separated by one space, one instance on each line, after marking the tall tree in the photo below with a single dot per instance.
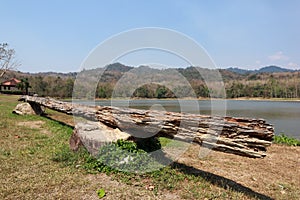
24 85
7 59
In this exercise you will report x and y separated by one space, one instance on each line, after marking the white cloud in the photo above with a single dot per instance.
278 56
292 65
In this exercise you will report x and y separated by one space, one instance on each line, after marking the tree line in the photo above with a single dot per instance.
267 85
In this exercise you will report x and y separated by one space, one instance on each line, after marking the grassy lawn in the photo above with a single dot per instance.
36 163
27 169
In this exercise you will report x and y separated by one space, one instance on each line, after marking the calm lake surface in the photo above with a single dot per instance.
284 115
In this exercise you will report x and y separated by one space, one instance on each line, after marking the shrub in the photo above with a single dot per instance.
122 156
284 139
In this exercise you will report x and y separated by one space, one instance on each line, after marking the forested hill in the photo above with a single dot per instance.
267 82
267 69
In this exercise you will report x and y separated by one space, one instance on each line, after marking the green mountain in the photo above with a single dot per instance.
273 69
267 69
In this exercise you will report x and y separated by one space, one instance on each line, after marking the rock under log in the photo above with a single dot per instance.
28 109
241 136
93 135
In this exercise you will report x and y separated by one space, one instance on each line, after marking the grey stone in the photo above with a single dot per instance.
24 109
93 135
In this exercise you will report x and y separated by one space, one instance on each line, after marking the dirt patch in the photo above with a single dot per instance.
117 190
277 175
35 125
32 124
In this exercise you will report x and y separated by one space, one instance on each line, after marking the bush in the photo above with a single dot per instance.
122 156
284 139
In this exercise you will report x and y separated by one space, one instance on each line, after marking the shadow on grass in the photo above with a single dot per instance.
48 116
219 181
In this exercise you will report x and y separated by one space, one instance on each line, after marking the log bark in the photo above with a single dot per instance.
242 136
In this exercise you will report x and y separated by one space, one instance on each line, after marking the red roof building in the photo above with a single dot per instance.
10 84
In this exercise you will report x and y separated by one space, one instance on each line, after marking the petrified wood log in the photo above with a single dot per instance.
241 136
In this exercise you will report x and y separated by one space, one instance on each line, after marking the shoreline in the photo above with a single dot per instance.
186 98
200 99
265 99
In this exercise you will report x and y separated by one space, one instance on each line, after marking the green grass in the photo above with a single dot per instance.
27 169
284 139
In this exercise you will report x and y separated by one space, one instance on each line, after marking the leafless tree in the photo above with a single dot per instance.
7 59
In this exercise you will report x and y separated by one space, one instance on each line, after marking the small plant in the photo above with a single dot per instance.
101 193
284 139
122 156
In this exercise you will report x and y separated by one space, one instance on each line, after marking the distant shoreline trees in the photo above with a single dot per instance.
257 85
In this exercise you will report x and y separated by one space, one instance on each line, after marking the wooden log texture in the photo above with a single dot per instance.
241 136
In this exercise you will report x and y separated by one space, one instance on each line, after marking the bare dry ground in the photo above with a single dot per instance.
276 176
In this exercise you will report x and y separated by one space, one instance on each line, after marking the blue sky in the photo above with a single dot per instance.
58 35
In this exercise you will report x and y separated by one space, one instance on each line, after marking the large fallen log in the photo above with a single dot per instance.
241 136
